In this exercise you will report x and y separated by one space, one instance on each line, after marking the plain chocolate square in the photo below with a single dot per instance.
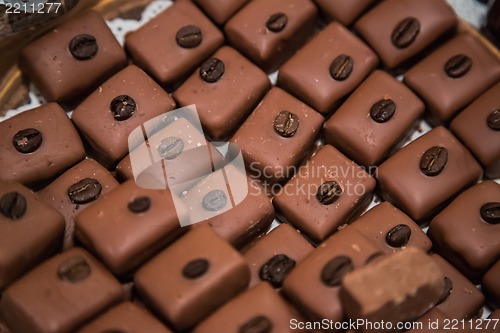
155 49
192 278
220 10
59 75
307 74
445 95
60 147
369 139
404 184
298 200
30 231
491 287
223 105
346 12
268 32
61 294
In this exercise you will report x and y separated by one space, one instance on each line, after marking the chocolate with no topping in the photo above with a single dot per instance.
220 10
346 12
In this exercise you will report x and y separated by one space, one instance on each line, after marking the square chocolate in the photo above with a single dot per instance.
467 232
75 190
398 30
192 278
38 144
478 127
171 45
491 287
30 231
124 169
60 295
112 112
224 89
341 62
424 175
73 58
272 257
374 119
220 10
324 194
453 76
129 225
345 12
271 148
268 32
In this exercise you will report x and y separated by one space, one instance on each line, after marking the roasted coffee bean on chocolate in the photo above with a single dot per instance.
383 110
13 205
212 70
457 66
328 192
341 67
27 140
405 32
123 107
398 236
139 205
277 22
74 269
335 269
493 120
170 147
189 36
83 46
259 324
490 212
286 124
195 268
276 269
84 191
434 161
214 200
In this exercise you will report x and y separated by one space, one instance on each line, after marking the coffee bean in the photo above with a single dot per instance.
277 22
457 66
139 205
195 268
335 269
276 269
84 191
170 147
490 212
189 36
398 236
286 124
214 200
83 47
74 269
212 70
493 120
383 110
341 67
13 205
448 287
405 32
123 107
433 161
27 140
258 324
328 192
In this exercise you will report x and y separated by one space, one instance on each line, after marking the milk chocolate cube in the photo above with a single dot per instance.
490 285
346 12
220 10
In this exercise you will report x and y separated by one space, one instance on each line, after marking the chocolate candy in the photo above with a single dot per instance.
122 103
272 257
269 31
490 285
38 144
477 127
72 59
225 90
391 229
397 288
419 180
461 70
60 295
313 81
128 225
184 301
220 10
346 12
471 252
266 140
400 30
371 123
155 46
259 309
302 204
30 231
75 190
126 317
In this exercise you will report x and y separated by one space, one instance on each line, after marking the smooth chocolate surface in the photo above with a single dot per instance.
220 10
59 75
61 146
60 295
462 235
366 138
192 277
154 47
222 105
346 12
298 200
30 231
404 184
269 31
312 82
445 95
491 287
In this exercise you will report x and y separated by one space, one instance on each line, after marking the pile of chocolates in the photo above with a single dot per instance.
84 248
